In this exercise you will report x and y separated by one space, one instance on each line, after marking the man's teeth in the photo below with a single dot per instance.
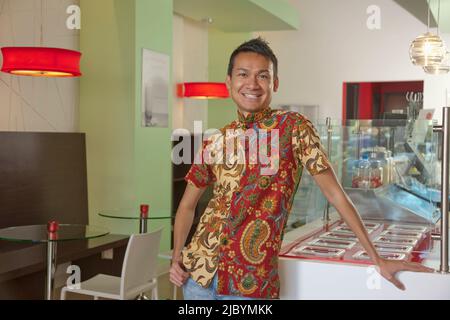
251 96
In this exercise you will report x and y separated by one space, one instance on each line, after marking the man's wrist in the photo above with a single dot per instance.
176 256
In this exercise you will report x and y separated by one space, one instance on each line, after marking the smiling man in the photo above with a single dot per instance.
234 251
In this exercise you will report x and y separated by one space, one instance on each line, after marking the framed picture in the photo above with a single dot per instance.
155 89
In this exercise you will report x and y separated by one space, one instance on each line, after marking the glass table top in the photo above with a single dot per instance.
133 214
39 233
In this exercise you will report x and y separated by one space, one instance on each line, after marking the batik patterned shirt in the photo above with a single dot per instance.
240 233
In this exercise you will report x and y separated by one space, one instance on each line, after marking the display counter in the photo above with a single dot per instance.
391 174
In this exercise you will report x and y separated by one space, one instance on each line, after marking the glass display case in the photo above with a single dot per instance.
391 172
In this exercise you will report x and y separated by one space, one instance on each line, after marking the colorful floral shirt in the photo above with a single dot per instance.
240 233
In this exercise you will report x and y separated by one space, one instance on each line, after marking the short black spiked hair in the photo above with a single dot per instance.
259 46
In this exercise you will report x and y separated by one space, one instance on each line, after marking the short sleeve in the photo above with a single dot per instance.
200 174
308 147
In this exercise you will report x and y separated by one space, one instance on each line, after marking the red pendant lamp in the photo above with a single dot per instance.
205 90
41 62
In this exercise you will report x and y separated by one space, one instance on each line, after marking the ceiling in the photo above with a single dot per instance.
419 9
241 15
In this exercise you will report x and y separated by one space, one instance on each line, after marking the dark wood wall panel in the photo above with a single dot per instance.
42 177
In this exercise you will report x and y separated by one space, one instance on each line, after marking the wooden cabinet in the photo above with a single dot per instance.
179 185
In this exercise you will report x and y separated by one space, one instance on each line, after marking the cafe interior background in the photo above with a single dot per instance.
324 48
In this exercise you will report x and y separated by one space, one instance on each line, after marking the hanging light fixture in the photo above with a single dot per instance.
205 90
427 49
41 61
442 68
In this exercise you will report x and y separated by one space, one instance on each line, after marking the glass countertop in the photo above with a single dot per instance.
39 233
133 214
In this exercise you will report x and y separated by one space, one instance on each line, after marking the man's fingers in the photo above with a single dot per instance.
176 282
397 283
418 267
180 270
178 267
177 275
176 279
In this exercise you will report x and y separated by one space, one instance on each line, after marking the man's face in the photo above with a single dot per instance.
251 82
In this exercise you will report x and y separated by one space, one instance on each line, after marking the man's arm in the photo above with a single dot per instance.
333 191
183 223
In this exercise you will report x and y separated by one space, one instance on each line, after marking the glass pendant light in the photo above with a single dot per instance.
442 68
427 49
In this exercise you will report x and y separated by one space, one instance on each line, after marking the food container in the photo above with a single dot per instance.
393 248
345 229
332 243
396 240
402 233
318 251
339 236
362 255
408 227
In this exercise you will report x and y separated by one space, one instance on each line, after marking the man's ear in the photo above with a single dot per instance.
276 82
228 82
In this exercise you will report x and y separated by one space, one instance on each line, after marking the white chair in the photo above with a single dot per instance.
138 272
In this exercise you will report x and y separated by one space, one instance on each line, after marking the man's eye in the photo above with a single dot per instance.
242 74
264 76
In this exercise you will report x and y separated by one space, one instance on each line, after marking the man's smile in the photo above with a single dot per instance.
251 96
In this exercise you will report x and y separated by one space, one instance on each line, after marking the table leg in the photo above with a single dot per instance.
142 225
142 229
51 268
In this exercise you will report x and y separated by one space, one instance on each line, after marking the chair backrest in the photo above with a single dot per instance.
140 261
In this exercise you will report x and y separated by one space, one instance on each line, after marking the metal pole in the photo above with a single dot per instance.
51 268
142 225
326 213
444 188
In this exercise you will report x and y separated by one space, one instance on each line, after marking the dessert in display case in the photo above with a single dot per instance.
391 172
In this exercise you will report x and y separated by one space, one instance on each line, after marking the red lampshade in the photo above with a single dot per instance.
41 62
205 90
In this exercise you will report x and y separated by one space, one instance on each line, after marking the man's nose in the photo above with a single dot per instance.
252 82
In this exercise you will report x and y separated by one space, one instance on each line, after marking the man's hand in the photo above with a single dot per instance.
389 268
178 275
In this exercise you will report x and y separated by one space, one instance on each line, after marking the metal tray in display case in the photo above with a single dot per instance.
371 225
318 251
332 243
402 233
345 229
393 248
362 255
408 227
339 236
396 240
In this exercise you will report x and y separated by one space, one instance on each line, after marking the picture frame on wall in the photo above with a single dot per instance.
155 89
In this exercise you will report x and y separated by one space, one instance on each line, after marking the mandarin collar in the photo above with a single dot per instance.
254 117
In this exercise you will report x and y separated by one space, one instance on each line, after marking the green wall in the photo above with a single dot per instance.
220 47
127 164
153 174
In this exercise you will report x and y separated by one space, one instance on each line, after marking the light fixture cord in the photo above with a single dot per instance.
42 24
439 16
428 21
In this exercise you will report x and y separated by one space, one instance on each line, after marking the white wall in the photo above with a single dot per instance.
190 64
37 104
334 45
